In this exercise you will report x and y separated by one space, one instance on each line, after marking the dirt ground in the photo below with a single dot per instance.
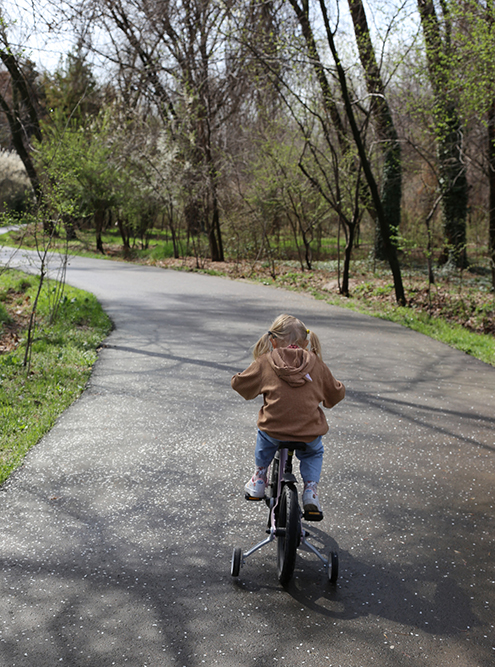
18 309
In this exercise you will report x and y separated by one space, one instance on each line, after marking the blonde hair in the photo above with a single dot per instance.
290 331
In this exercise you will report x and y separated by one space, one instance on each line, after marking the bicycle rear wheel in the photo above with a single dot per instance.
273 482
333 567
288 522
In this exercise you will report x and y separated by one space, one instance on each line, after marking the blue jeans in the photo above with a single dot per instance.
310 461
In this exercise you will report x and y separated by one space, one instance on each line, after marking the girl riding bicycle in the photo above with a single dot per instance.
293 382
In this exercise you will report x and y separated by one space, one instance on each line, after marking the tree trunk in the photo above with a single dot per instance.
18 142
70 228
214 231
391 194
99 222
19 133
21 88
454 188
125 232
347 259
491 177
215 253
20 95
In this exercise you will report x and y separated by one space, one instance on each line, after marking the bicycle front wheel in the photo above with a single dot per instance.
287 540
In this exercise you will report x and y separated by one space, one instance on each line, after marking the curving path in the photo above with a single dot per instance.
117 533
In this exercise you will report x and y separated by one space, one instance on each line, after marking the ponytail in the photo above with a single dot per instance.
314 341
262 346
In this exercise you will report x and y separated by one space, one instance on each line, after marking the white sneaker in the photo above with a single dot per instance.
255 487
310 501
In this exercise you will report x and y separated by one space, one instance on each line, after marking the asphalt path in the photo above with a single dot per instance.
117 533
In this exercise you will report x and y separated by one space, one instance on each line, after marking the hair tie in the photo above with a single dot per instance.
307 331
270 333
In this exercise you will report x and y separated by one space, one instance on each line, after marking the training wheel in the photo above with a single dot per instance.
333 567
235 565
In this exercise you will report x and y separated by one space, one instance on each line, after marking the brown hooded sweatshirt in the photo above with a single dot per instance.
293 382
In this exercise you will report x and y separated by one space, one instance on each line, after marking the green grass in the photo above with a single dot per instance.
160 245
62 356
481 346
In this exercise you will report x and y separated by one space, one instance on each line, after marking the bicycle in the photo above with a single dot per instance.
284 520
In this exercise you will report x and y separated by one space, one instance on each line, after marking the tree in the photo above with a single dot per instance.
302 13
280 195
474 79
319 139
72 89
453 181
391 185
80 176
339 182
172 53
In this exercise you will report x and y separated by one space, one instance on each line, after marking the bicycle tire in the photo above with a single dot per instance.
333 567
235 565
274 477
288 521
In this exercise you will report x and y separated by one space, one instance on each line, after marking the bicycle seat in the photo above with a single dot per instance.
292 446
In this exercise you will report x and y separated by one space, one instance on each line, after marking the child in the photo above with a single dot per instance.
293 381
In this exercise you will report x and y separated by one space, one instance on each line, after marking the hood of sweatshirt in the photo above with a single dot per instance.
292 364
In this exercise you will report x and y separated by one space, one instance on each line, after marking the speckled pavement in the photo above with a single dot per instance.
117 533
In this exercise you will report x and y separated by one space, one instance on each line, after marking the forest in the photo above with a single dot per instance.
299 131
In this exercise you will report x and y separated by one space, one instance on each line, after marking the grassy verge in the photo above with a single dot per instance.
481 346
63 353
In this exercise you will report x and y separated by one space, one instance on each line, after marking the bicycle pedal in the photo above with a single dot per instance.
313 516
253 498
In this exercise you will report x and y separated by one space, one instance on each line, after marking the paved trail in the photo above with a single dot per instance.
117 533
